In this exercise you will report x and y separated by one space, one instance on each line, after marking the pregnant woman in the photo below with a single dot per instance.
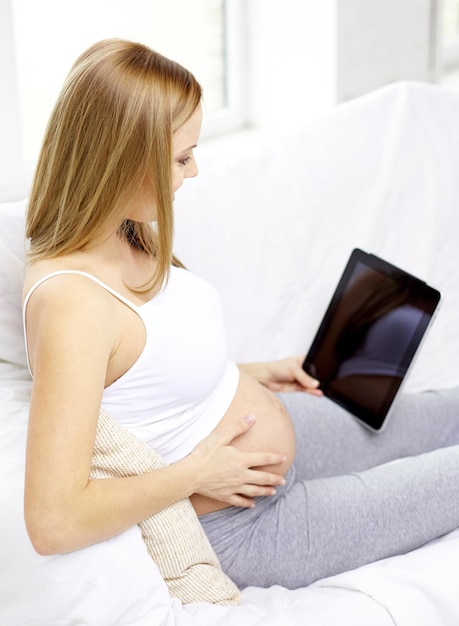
288 487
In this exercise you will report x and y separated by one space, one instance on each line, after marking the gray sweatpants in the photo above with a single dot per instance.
346 502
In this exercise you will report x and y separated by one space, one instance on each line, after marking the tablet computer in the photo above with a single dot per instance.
369 336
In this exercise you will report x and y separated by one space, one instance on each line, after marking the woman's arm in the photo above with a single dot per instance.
73 333
283 375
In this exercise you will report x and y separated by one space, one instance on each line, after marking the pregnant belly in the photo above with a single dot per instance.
272 431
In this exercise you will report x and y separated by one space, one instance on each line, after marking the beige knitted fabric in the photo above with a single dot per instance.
174 537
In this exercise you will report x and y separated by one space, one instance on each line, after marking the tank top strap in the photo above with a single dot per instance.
87 275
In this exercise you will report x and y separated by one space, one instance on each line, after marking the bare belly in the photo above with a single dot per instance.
272 431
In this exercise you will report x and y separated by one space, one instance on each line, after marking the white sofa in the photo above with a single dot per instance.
270 221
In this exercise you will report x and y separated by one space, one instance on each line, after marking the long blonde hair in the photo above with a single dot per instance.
109 133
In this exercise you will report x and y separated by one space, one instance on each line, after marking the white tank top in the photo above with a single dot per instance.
183 381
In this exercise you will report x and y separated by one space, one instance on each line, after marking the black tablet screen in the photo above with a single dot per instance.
370 333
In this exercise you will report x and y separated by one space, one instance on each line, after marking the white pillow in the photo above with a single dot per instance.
12 255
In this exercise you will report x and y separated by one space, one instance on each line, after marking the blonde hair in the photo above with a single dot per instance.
110 133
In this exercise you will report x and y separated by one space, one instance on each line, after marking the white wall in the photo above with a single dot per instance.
303 57
306 56
380 42
292 60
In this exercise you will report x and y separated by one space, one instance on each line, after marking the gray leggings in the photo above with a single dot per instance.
344 503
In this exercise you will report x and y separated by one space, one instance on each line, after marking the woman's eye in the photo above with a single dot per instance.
185 160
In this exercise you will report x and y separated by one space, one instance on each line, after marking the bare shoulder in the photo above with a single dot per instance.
71 311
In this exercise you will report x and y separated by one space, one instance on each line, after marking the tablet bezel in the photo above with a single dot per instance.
427 299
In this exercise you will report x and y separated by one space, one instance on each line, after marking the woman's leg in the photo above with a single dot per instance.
330 441
316 528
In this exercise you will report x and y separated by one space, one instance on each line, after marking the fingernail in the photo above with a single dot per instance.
250 418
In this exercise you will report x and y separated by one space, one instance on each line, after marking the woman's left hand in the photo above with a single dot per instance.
284 375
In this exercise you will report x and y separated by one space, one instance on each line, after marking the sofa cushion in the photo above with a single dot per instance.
12 254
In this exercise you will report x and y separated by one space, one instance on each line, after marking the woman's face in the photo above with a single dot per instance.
184 140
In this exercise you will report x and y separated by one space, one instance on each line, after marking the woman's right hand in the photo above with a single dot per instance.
231 475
